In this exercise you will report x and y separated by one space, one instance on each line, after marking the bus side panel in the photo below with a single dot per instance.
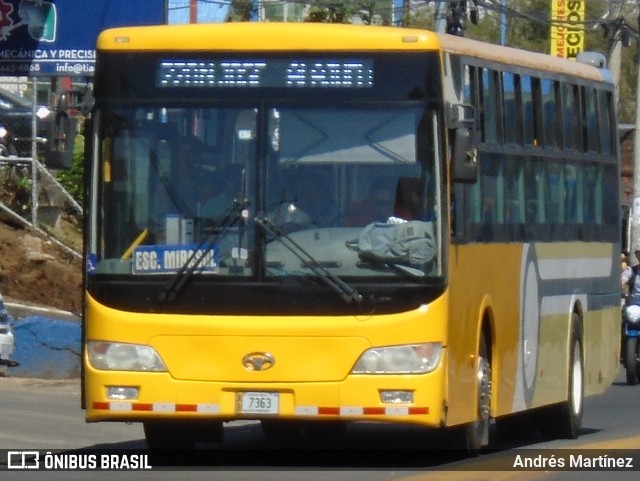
529 297
602 348
479 283
584 278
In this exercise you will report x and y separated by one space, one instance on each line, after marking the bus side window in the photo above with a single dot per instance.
571 174
486 199
550 103
555 193
590 119
529 111
607 147
610 187
534 183
489 112
509 108
572 131
514 192
592 194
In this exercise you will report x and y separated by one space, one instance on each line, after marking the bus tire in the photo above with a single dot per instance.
476 433
564 420
630 360
181 434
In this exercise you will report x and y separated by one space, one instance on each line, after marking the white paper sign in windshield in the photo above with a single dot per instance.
167 259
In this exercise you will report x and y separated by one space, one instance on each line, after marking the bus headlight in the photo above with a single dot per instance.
408 359
117 356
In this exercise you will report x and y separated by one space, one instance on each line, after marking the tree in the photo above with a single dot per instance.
324 12
349 11
242 11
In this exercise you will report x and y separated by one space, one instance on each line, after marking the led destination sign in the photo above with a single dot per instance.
296 73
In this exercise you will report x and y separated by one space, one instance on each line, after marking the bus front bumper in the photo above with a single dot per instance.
134 396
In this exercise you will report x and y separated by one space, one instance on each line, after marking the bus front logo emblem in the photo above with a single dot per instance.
258 361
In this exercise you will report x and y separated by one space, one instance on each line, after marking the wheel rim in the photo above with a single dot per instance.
484 389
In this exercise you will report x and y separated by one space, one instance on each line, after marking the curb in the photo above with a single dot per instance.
19 309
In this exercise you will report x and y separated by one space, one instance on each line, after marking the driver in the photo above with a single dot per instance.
312 204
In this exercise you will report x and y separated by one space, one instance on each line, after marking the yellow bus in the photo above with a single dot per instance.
313 224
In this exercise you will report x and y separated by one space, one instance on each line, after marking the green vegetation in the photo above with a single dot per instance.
71 179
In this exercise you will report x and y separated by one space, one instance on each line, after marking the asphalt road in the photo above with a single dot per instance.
39 414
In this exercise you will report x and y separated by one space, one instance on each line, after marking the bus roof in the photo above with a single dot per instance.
520 58
265 36
283 36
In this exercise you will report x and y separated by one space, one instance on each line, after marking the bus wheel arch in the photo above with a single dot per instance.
564 420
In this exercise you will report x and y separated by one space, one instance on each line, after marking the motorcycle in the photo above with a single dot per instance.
630 358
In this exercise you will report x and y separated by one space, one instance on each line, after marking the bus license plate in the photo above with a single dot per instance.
258 402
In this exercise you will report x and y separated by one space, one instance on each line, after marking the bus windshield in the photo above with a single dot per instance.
355 187
264 166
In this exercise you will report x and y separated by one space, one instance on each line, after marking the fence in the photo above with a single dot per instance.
29 136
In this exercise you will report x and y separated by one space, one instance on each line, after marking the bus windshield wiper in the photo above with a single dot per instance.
233 214
346 292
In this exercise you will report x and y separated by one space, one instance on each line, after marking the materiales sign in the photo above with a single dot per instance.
567 28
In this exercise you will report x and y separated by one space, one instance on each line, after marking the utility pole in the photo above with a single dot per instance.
617 33
441 16
614 62
635 210
193 11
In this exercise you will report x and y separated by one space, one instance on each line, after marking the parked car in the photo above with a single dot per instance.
6 340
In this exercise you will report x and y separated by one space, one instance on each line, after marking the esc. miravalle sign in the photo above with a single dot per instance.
57 37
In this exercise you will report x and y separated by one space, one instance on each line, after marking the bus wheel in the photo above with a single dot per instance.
564 420
181 434
630 360
477 432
